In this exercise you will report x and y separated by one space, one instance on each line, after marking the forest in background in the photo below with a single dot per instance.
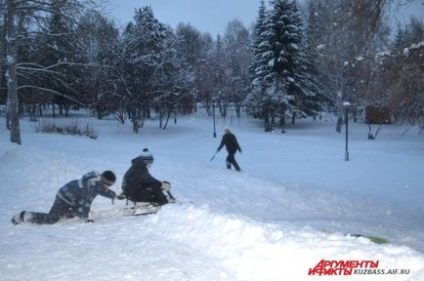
295 61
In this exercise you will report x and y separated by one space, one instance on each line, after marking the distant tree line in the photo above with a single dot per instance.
292 63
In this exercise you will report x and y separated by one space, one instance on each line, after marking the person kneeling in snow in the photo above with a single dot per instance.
73 199
138 185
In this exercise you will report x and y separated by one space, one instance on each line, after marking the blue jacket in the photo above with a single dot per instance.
80 193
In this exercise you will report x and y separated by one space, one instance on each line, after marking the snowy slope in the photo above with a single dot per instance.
269 222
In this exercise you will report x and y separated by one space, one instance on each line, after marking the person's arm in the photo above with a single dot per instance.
222 144
92 182
149 180
107 193
129 182
238 146
84 206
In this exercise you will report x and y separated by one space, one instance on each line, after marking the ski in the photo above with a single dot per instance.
372 238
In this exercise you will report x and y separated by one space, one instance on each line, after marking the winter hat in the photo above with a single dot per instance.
146 156
108 178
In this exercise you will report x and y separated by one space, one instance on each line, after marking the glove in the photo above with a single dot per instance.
121 197
166 186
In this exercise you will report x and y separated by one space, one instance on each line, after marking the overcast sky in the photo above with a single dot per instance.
213 15
415 8
206 15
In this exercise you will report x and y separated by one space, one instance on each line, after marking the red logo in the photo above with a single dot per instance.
341 267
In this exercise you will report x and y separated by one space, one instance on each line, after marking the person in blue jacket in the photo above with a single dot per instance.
73 199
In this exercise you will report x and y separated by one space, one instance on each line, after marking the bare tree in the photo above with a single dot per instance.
11 60
397 81
237 60
2 48
347 33
17 13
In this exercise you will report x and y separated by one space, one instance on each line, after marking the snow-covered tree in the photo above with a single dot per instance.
153 76
255 102
142 43
214 72
207 73
237 57
98 41
279 76
191 47
171 80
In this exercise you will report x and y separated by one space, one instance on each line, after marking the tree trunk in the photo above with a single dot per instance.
267 124
2 55
11 78
339 124
167 119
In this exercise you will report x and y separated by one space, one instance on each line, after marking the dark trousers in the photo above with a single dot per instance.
231 160
150 194
60 209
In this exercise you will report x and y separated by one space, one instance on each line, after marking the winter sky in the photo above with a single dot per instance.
206 15
213 15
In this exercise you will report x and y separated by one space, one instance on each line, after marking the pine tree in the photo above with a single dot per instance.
142 43
279 77
152 70
256 101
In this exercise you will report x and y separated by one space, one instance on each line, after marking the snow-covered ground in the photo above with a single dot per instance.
280 217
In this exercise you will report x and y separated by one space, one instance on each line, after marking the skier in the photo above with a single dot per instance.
232 145
73 199
138 185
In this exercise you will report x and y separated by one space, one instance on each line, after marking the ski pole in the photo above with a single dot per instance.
213 156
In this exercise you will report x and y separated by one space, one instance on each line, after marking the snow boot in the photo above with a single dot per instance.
18 218
21 217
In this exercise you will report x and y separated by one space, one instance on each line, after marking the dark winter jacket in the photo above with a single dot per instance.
80 193
230 142
139 185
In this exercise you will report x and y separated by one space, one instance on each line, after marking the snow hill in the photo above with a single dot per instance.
287 210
